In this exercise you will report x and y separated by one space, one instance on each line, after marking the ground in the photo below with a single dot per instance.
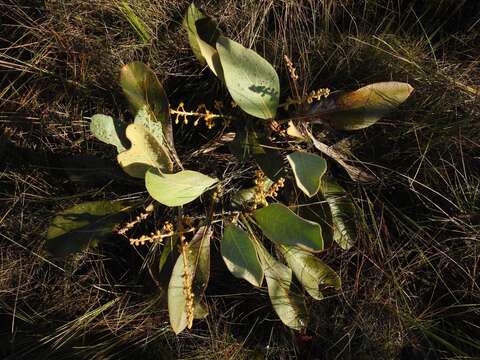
411 281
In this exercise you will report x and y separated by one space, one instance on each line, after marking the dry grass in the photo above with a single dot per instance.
410 285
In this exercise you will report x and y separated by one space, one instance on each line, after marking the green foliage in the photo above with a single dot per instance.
362 108
310 270
202 36
308 170
197 264
144 91
155 128
179 188
83 225
343 214
289 306
135 21
254 85
144 153
251 81
282 226
240 256
109 130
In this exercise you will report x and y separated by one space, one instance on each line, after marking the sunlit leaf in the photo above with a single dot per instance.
240 256
284 227
308 169
343 213
252 82
289 306
83 225
192 15
202 36
109 130
364 107
197 265
179 188
312 272
155 128
145 152
144 91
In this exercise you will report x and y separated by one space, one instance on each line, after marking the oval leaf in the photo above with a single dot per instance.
177 189
109 130
343 214
202 36
192 15
289 306
252 82
144 91
284 227
198 266
308 170
312 272
144 153
240 256
83 225
364 107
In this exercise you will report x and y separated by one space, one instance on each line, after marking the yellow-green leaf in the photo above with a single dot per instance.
145 119
144 91
252 82
308 169
289 306
312 272
179 188
343 213
109 130
197 264
145 152
202 36
284 227
193 14
238 252
364 107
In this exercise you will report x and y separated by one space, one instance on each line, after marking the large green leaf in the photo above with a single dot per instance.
83 225
144 91
238 252
312 272
179 188
343 213
289 306
202 36
145 152
193 14
364 107
308 169
198 266
252 82
109 130
284 227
